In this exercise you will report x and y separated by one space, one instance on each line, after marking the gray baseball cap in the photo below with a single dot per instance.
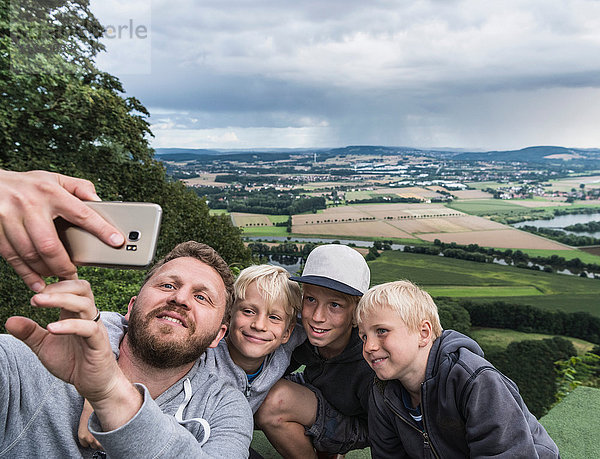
337 267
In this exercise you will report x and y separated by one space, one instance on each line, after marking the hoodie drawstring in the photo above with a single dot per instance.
187 389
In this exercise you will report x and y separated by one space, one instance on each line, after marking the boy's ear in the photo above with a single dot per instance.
287 333
425 333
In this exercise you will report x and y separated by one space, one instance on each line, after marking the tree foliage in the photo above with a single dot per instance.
530 364
59 112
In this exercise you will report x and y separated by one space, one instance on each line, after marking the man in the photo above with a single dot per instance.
176 409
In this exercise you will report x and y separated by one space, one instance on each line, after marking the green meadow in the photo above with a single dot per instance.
486 206
489 338
487 282
574 424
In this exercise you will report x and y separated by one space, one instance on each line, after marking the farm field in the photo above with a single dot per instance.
502 337
567 255
567 184
419 221
472 194
498 206
558 291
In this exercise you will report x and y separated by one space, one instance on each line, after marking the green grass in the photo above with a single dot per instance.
574 424
278 218
560 292
261 445
500 338
265 231
217 211
473 291
485 206
566 254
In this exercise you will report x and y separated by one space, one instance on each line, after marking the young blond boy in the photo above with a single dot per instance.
325 407
435 395
262 334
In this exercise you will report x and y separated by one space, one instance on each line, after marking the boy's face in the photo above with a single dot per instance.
389 347
256 329
327 318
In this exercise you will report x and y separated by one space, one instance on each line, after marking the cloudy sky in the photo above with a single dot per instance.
475 74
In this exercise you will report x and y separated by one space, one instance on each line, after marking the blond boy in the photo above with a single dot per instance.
435 395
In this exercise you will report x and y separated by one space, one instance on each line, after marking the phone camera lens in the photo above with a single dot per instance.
134 235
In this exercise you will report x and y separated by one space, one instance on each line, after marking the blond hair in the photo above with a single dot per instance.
412 304
275 287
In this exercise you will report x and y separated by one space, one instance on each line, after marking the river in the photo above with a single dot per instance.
561 221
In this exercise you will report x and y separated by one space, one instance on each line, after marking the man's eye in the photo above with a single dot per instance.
381 331
169 286
200 297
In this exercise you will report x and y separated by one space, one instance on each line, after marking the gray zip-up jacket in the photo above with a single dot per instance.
199 416
218 360
273 369
469 409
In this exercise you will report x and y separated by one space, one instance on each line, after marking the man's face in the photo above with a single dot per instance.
177 314
257 328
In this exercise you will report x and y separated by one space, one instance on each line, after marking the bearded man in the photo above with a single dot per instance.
173 406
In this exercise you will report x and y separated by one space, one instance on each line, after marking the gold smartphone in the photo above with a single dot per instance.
138 221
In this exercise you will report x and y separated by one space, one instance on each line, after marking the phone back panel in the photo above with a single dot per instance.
133 219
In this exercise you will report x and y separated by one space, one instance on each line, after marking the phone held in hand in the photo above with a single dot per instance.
138 221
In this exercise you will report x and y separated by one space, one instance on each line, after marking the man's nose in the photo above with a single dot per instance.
180 297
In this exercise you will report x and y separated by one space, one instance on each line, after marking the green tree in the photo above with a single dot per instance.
60 113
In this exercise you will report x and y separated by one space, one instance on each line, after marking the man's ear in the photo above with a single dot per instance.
425 333
219 337
129 306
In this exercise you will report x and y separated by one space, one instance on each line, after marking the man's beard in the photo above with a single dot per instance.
153 349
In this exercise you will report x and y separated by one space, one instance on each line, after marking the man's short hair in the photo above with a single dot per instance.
412 304
207 255
274 285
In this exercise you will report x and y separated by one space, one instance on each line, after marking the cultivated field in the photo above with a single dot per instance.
484 281
247 220
573 182
472 194
423 221
508 238
205 180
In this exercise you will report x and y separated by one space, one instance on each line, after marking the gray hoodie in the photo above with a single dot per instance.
199 416
218 360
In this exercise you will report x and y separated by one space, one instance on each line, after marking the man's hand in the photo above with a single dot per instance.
29 202
76 349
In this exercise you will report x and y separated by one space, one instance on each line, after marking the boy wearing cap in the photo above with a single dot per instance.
435 395
325 407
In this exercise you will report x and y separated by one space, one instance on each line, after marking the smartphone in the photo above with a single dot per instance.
138 221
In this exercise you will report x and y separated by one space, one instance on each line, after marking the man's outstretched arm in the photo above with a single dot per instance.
29 202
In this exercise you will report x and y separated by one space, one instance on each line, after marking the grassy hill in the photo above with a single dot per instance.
486 282
574 424
490 338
